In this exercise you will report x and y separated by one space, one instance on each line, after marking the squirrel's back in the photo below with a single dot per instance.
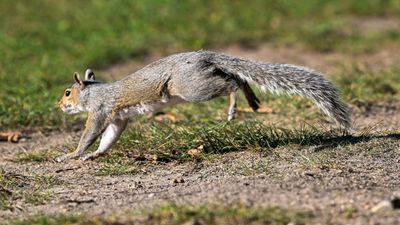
203 75
188 75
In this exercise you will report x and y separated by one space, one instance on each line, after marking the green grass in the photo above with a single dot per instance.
116 169
365 87
172 141
30 189
37 156
173 214
349 212
160 143
163 143
43 42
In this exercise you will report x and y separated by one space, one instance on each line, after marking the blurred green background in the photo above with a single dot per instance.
43 42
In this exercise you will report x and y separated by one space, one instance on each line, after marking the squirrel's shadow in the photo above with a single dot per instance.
322 143
270 138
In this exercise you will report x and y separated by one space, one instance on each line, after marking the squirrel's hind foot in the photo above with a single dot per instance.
66 157
91 156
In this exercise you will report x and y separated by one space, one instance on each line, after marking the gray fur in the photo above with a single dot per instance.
289 79
203 75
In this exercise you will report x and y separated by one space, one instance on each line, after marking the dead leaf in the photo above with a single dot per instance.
265 109
151 157
196 151
10 136
178 180
262 109
165 117
244 109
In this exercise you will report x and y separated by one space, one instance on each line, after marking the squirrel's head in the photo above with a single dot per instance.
70 102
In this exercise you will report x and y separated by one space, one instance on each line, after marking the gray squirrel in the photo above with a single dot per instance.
187 77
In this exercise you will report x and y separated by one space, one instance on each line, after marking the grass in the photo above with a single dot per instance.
154 142
310 147
366 87
349 212
37 156
113 169
162 143
30 189
173 214
173 141
40 51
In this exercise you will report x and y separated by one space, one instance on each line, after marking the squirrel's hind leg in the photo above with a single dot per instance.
251 97
232 106
108 138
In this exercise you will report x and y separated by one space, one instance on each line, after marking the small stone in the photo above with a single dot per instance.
178 180
309 173
138 184
387 205
151 195
382 206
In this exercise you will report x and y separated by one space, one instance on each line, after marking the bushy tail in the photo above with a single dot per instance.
290 79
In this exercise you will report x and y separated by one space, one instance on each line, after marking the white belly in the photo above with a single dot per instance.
148 108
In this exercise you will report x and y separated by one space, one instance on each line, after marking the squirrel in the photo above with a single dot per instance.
187 77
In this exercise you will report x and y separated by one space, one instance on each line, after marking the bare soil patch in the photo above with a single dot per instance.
358 181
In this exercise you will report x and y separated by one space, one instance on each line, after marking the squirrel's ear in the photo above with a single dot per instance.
89 75
78 79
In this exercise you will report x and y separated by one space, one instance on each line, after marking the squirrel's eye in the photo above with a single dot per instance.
67 93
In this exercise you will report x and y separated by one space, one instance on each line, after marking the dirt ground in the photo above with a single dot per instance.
344 194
